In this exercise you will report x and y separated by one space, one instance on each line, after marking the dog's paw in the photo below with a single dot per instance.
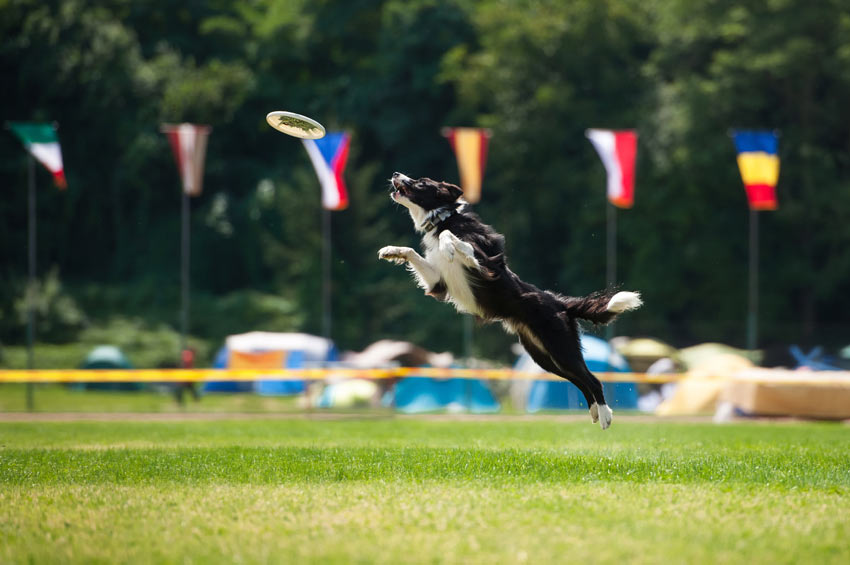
594 412
447 246
605 416
395 254
467 252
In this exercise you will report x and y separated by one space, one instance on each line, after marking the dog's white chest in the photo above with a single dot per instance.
454 275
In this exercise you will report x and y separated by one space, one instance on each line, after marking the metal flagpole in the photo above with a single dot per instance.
752 306
184 271
611 254
326 273
468 325
31 288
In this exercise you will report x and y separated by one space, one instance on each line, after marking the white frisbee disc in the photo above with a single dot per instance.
295 125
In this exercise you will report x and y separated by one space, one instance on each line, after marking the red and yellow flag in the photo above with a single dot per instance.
470 147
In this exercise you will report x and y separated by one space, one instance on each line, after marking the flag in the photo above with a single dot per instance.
617 149
189 143
470 147
329 155
758 160
41 141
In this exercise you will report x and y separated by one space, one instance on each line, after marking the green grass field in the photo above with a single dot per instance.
398 490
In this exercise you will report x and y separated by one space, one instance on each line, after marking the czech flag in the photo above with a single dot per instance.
470 147
189 143
329 155
758 160
617 149
41 141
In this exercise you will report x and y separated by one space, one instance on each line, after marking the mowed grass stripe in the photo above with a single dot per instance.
256 465
543 433
425 522
420 491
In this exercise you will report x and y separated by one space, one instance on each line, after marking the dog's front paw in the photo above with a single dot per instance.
447 246
395 254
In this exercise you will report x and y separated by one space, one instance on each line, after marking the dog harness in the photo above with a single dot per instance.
439 215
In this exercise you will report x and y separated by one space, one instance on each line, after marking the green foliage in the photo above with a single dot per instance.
392 73
55 313
145 347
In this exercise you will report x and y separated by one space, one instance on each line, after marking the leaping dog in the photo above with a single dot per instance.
465 264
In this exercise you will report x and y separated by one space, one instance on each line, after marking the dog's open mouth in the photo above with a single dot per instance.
400 188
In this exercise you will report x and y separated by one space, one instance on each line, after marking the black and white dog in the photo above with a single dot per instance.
465 264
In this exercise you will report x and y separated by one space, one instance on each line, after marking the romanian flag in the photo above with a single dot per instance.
189 143
329 155
617 149
41 141
758 160
470 147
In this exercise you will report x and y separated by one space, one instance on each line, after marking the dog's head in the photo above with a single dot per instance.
421 196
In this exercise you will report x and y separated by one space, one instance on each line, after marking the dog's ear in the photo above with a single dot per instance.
449 191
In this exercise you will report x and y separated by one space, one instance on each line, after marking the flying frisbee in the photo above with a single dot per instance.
295 125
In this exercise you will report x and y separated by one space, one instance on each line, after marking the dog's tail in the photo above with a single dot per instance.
603 306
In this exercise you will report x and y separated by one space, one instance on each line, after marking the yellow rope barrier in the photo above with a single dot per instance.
200 375
824 378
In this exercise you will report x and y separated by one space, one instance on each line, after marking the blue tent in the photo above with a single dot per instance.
422 394
563 395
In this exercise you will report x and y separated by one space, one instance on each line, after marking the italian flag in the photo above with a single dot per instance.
41 141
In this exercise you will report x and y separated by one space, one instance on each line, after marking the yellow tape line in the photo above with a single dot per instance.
199 375
827 378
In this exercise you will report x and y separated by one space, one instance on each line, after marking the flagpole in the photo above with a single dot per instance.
31 288
184 270
326 273
611 254
467 336
752 303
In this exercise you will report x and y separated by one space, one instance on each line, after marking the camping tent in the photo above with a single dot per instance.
709 365
270 350
641 353
107 357
599 357
425 394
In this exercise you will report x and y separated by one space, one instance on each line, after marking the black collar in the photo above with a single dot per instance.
439 215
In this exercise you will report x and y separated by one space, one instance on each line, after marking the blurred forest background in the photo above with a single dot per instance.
392 72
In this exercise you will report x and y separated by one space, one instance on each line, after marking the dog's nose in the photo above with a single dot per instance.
400 178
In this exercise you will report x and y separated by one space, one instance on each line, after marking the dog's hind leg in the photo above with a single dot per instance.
600 410
572 359
542 358
562 345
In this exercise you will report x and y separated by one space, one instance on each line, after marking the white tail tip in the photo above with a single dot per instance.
624 301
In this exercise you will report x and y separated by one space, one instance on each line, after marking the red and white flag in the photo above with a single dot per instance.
617 149
329 155
189 143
